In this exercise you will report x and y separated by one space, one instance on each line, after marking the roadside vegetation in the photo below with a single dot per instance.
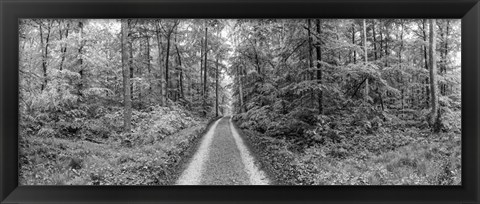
398 155
351 101
115 101
64 153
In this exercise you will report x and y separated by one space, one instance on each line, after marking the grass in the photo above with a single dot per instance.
433 159
148 156
425 163
56 161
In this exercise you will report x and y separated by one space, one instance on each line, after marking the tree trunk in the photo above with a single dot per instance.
181 71
387 37
425 57
381 39
446 53
402 80
162 73
434 117
130 62
44 47
374 40
80 59
366 56
201 66
216 89
240 90
443 70
149 64
310 56
353 42
205 72
319 67
63 47
126 77
167 87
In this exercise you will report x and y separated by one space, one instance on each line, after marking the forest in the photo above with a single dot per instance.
318 101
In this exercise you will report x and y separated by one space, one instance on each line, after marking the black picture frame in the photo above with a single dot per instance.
12 10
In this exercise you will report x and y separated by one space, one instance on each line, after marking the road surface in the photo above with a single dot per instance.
222 159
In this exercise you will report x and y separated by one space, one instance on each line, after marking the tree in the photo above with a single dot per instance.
168 35
434 116
179 58
127 101
81 67
366 56
63 46
163 84
310 53
205 71
216 86
319 66
44 46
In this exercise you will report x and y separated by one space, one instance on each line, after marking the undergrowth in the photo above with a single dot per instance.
364 147
97 152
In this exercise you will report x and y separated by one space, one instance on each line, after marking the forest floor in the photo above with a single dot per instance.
86 150
152 155
222 159
401 152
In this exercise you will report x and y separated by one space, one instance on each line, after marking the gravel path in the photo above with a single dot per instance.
222 159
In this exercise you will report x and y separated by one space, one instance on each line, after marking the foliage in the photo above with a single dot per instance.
48 158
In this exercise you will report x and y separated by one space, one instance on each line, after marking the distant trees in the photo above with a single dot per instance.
69 64
397 75
277 67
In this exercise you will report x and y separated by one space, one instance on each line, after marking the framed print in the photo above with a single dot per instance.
239 101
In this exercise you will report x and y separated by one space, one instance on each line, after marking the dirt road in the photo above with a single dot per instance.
222 159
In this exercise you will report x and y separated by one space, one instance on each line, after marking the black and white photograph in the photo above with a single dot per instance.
239 102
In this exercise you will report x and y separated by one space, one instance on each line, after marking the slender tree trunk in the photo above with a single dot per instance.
387 37
381 39
425 57
149 64
63 47
44 46
80 59
201 65
353 42
240 91
44 58
310 57
167 86
126 77
47 42
130 62
446 52
319 67
162 72
374 40
205 72
366 56
257 62
434 117
216 89
443 70
402 80
181 71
